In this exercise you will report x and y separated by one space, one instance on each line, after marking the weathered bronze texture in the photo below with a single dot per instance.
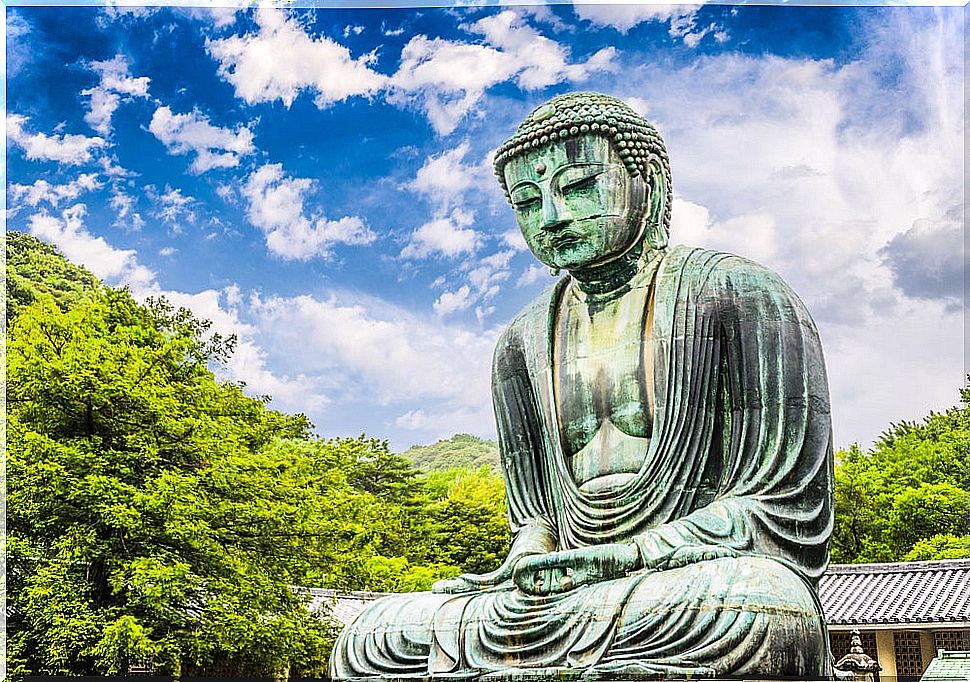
663 421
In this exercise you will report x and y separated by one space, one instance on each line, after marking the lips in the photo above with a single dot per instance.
565 238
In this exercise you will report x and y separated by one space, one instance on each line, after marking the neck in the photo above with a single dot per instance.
611 278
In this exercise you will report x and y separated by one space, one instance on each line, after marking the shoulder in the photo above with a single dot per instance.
533 316
528 328
723 272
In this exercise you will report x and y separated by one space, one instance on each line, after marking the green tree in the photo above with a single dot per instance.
467 522
147 514
35 268
907 499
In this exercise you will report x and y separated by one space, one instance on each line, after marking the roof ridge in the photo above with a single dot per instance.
900 567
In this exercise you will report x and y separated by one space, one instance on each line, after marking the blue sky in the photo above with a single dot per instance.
319 181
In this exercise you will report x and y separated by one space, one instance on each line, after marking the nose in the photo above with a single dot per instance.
554 213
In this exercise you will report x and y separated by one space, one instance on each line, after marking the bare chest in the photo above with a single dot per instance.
603 374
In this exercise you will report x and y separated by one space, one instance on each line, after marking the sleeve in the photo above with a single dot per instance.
768 452
522 446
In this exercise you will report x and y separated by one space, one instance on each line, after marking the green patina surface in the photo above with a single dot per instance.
948 666
665 436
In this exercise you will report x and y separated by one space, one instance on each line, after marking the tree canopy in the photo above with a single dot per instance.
906 499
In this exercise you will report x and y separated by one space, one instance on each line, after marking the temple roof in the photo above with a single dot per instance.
851 594
343 606
913 592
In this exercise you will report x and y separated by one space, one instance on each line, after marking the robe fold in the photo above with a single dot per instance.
731 510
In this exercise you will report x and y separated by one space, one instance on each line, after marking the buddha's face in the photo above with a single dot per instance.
575 202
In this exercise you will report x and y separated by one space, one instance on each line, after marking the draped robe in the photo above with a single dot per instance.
731 510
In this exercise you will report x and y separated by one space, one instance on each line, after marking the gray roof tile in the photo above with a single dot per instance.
913 592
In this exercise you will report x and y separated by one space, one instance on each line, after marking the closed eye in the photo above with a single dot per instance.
581 184
523 204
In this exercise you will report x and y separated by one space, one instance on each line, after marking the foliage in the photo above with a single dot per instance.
149 507
157 516
468 523
907 498
460 451
35 268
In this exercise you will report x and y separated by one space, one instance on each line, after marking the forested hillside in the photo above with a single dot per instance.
156 514
461 450
35 268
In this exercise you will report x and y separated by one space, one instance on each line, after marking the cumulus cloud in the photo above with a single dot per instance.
280 61
928 261
218 17
447 78
532 274
214 147
116 84
626 16
41 191
372 351
444 178
453 301
449 236
276 207
249 362
68 149
68 233
124 206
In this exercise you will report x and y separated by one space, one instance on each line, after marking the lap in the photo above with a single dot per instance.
721 612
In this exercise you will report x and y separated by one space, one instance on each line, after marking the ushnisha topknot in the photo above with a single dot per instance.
584 113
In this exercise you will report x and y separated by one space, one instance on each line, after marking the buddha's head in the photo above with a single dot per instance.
589 180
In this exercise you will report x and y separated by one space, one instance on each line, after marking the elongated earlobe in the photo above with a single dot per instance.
655 233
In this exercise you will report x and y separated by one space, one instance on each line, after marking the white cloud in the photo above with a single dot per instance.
485 274
171 207
514 240
449 236
281 60
18 48
68 233
116 83
453 301
532 274
167 251
214 147
67 149
444 423
276 207
447 78
121 10
444 178
43 191
218 17
626 16
371 351
249 361
124 206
